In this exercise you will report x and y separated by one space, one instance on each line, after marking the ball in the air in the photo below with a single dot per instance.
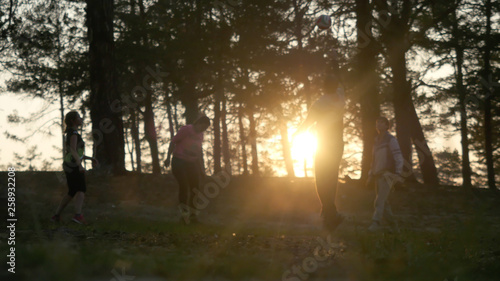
324 22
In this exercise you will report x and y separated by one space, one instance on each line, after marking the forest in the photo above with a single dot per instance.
255 67
138 71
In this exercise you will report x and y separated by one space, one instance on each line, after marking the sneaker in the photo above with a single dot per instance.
79 219
56 218
375 226
332 223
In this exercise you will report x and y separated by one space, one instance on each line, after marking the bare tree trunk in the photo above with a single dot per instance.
299 14
408 128
190 103
217 133
60 84
459 50
129 148
243 141
149 117
253 143
225 139
134 131
285 144
150 133
176 120
61 101
171 128
367 82
107 125
408 125
488 134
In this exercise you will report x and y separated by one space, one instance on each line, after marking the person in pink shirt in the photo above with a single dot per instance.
187 166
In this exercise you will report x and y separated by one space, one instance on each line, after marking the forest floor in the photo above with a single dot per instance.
250 229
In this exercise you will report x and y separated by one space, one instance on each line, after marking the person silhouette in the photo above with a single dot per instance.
186 148
73 168
327 114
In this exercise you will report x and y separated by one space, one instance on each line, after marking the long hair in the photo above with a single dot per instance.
69 119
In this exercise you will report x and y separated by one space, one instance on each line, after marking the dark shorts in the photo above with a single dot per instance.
187 175
75 179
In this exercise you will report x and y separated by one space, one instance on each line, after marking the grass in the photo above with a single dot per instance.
443 237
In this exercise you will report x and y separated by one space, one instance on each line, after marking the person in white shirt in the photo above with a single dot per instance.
386 169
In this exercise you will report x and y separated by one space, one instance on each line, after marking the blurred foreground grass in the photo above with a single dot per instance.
249 234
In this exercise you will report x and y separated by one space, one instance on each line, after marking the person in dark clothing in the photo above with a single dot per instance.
187 166
73 168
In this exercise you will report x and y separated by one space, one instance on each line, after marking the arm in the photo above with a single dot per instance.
181 134
398 156
72 148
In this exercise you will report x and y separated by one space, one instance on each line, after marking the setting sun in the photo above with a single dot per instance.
304 146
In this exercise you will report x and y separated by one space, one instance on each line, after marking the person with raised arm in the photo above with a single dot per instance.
327 114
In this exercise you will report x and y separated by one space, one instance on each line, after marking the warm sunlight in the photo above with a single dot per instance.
304 146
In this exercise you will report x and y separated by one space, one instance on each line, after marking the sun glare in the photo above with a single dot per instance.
304 146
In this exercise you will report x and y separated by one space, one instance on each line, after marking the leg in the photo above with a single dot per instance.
66 199
388 214
326 173
325 188
326 176
194 183
383 190
180 174
79 197
72 181
79 190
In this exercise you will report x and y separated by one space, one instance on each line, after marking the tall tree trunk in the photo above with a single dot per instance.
253 142
134 131
217 133
171 128
285 144
107 125
408 125
488 134
149 117
61 103
408 128
243 141
150 132
225 139
60 83
190 103
129 148
298 30
367 83
459 51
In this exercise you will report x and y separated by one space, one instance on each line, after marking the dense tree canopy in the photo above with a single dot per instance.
255 67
